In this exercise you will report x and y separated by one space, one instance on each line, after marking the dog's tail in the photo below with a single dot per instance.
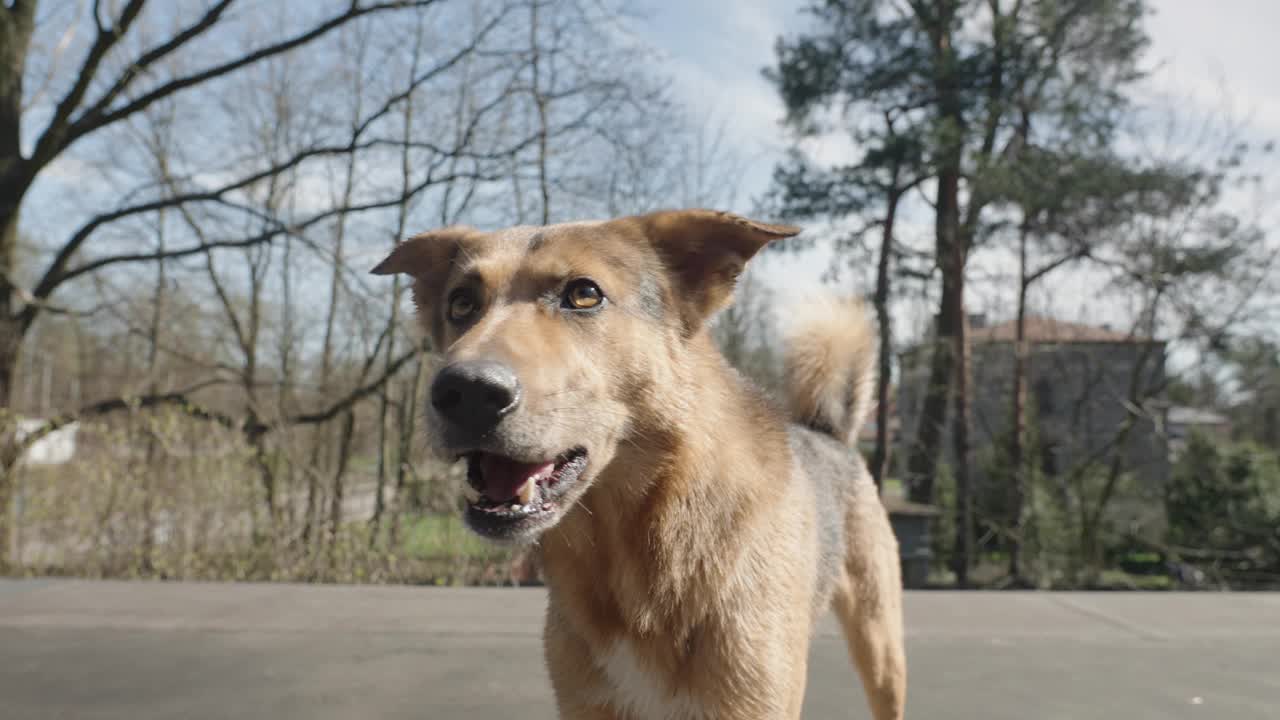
831 368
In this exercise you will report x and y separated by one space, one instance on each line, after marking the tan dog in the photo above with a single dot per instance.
691 536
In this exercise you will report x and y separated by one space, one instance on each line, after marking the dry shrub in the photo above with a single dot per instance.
161 495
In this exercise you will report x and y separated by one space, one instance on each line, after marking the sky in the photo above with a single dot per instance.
1209 57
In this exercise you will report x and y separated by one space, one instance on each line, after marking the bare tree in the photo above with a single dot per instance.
123 72
78 114
246 306
393 319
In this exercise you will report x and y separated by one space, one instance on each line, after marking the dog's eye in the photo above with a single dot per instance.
582 295
462 304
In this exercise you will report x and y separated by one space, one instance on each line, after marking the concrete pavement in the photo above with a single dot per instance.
143 651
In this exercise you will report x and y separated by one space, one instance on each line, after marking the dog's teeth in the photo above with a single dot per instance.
526 491
471 494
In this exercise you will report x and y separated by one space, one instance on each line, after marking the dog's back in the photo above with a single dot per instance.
834 474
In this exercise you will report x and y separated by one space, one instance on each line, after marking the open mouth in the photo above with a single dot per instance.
506 491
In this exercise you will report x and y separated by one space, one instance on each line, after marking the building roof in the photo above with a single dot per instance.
1040 329
1194 416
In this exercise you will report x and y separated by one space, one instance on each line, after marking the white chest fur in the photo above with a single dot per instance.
642 694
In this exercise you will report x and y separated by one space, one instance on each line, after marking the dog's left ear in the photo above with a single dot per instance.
705 251
428 258
425 254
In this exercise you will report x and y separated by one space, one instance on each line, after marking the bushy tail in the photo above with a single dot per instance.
831 367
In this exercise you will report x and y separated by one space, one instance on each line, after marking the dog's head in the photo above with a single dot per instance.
555 339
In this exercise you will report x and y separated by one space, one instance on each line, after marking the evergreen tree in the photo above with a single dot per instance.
967 77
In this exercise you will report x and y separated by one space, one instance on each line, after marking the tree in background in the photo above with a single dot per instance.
1072 204
969 76
1223 506
1255 364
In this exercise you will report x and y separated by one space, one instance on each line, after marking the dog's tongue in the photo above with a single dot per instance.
503 478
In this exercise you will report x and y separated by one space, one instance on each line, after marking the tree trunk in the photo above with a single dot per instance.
335 500
266 476
7 529
11 332
1017 437
393 320
880 458
540 102
384 405
16 26
153 360
408 411
9 336
960 425
922 464
322 436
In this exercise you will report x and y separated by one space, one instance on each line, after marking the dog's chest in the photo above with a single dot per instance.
642 693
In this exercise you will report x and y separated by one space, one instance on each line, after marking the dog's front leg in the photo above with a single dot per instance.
580 686
791 685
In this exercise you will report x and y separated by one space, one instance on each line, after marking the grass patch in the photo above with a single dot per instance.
432 537
1120 580
893 487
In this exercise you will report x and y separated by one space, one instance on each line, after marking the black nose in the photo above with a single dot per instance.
475 395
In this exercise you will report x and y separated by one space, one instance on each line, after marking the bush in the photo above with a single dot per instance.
1223 506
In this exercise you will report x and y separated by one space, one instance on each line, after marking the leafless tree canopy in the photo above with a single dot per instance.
192 192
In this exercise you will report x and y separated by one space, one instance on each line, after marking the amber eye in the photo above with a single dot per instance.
462 304
582 295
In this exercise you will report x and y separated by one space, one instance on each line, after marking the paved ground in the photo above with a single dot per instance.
139 651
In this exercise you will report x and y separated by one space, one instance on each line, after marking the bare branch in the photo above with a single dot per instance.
157 53
102 117
55 135
179 399
341 405
182 399
56 273
267 235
